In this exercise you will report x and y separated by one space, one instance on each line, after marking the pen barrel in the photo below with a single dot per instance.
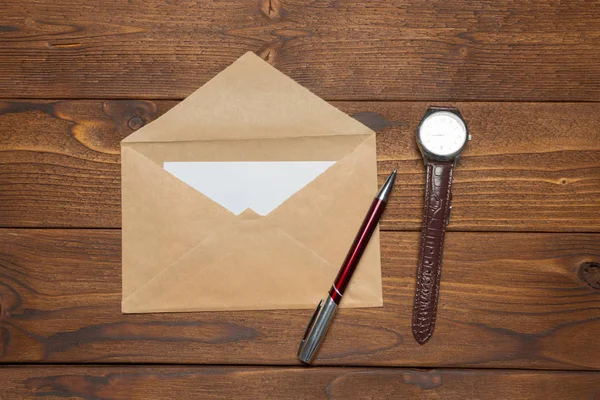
357 249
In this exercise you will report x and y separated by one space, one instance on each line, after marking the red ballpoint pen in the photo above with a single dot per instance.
323 315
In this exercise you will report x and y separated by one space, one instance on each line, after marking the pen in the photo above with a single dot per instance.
323 315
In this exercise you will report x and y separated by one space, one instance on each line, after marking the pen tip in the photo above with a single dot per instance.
395 170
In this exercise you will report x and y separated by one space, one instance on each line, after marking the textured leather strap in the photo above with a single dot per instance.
435 218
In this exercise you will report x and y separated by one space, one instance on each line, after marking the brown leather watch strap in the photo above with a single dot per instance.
435 218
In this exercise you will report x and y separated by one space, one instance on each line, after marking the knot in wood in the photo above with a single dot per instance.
270 8
135 123
589 272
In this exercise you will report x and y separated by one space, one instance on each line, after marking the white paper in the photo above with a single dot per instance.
237 186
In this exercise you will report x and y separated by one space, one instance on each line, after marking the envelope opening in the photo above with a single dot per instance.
260 186
319 220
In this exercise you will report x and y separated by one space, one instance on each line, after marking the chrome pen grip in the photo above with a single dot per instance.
316 330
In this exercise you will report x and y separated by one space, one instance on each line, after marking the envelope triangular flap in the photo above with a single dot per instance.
250 99
336 202
162 219
289 278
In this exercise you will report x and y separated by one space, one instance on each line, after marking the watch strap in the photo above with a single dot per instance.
435 218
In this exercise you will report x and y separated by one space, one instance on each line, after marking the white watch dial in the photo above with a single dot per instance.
443 133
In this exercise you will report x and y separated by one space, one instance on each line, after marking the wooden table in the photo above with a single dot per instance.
519 314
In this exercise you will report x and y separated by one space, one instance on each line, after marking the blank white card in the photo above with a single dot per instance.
260 186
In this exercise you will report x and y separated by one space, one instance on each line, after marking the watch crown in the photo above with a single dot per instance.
469 136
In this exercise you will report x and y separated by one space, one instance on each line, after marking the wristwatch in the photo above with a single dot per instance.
441 136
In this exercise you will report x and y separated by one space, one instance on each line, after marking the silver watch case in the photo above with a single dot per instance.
427 155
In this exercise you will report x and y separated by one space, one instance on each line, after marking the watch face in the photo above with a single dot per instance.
442 133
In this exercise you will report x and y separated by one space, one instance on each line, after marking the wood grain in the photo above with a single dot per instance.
529 167
113 383
510 300
536 50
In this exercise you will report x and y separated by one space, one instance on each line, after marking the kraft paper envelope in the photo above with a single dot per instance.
246 196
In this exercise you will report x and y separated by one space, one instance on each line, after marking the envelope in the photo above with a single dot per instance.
246 196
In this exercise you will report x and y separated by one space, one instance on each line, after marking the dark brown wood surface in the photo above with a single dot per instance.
530 167
520 286
508 300
403 50
115 383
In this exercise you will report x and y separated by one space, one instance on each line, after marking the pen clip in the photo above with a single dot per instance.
312 321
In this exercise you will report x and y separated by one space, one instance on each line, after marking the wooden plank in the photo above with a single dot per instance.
112 382
510 300
535 50
529 167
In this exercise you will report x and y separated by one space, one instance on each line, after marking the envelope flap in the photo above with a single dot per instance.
336 203
162 218
250 99
278 272
339 197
